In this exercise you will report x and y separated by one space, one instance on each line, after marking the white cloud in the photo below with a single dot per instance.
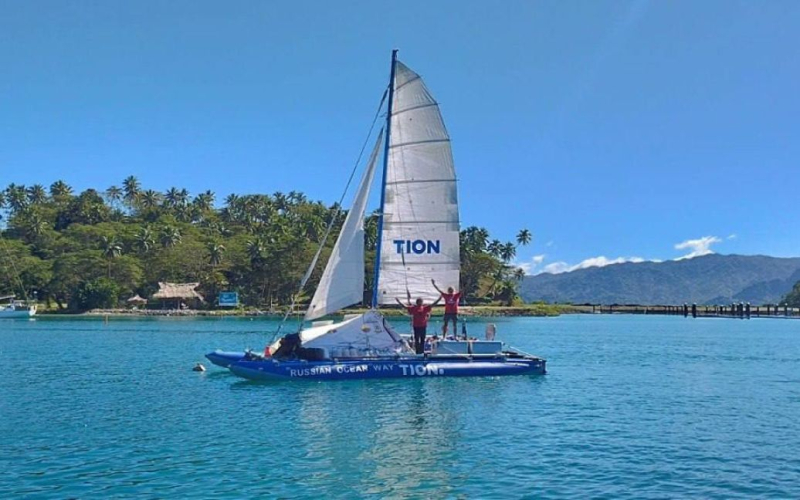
599 261
556 267
531 266
698 247
602 261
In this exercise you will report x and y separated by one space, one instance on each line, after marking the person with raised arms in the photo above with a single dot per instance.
419 313
451 300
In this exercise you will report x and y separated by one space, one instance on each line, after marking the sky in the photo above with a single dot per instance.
612 130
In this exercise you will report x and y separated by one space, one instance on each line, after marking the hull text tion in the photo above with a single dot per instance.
407 370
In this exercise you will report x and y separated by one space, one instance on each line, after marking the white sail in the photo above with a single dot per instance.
420 226
342 282
366 332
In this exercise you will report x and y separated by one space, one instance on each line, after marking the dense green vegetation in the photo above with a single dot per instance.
792 299
95 249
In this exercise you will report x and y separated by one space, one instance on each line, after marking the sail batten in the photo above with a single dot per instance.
420 231
342 282
418 142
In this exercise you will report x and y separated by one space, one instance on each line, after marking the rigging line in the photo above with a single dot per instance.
307 275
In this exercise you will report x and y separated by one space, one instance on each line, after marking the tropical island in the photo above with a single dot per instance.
96 249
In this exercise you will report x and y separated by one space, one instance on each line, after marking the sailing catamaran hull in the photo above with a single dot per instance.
389 368
225 358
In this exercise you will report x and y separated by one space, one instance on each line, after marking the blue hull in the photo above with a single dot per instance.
225 358
386 368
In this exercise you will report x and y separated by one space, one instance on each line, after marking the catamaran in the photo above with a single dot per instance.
418 240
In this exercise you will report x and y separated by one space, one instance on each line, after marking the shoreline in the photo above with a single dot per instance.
530 310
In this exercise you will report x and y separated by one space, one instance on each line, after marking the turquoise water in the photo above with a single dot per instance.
633 407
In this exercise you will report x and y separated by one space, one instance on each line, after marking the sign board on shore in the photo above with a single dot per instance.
228 299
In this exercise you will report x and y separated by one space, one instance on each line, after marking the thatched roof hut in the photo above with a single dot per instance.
179 292
136 300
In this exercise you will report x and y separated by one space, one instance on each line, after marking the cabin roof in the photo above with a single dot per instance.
177 291
136 299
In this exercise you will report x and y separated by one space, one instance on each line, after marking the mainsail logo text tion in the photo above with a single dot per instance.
417 246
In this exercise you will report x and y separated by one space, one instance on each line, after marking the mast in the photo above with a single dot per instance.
383 182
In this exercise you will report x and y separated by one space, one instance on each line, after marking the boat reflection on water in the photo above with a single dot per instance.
399 434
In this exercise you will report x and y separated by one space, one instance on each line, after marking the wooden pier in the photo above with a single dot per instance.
736 310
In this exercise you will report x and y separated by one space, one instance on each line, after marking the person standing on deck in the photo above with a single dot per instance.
451 299
419 314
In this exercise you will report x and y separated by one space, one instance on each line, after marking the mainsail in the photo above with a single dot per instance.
420 212
342 282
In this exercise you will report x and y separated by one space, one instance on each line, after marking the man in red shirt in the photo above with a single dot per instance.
451 299
420 314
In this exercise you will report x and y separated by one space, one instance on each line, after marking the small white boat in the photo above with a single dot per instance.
16 308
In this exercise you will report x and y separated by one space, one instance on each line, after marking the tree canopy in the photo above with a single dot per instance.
97 247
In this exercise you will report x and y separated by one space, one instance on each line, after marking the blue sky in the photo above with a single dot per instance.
609 129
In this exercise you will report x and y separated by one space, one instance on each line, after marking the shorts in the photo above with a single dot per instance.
451 317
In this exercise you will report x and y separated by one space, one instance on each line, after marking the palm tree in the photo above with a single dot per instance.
16 197
508 252
371 230
111 249
495 248
231 200
215 253
60 189
145 239
132 187
296 198
255 251
281 201
33 225
519 274
150 199
171 197
481 237
204 201
524 237
170 236
113 195
183 197
37 194
314 228
187 213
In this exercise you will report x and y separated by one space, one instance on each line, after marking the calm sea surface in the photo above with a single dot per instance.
633 407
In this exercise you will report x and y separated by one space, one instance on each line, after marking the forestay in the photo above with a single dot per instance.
342 282
420 225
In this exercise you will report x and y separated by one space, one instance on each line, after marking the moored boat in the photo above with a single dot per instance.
16 308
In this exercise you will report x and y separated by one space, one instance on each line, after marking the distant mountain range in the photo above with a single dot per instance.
710 279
